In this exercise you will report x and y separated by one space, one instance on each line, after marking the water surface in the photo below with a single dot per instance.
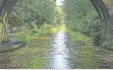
59 52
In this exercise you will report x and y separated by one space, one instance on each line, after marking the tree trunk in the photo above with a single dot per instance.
104 16
5 10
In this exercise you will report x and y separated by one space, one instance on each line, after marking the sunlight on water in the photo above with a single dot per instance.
61 51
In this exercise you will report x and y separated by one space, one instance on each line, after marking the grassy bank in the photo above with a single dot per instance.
80 38
40 33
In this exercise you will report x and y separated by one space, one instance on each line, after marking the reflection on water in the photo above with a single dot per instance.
60 53
67 54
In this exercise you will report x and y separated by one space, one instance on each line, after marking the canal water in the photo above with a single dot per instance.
59 52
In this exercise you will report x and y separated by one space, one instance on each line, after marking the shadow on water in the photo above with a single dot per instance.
4 60
59 52
68 54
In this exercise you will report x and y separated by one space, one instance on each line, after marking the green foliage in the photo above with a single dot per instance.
81 16
80 38
32 14
107 43
21 38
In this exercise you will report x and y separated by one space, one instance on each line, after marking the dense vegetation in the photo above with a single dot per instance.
32 14
83 17
51 34
32 18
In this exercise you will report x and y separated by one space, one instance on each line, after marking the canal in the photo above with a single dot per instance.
60 51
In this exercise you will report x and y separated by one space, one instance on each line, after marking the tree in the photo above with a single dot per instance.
37 11
26 11
5 9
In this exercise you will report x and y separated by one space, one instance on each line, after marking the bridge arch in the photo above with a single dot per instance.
6 7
